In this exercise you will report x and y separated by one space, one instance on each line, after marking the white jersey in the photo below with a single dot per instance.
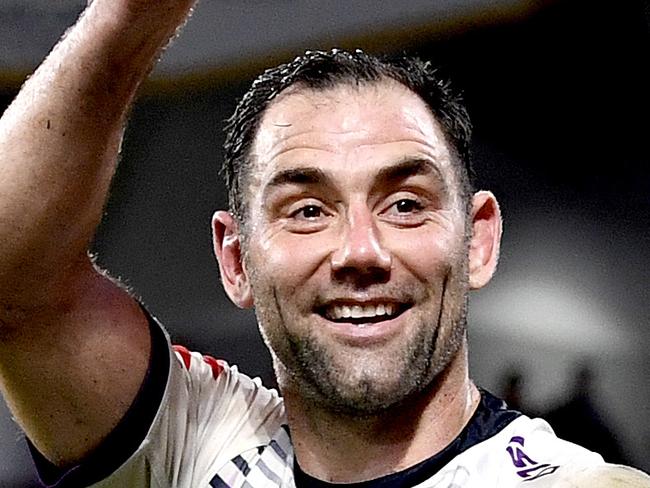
211 426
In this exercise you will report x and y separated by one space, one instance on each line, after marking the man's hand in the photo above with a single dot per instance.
73 346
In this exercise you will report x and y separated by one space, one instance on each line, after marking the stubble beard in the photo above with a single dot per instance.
360 383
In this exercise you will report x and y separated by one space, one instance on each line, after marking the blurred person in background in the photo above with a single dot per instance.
513 390
580 420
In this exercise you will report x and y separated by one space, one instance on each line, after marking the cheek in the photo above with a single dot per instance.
427 255
291 260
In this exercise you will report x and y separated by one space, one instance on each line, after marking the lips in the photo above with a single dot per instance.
361 312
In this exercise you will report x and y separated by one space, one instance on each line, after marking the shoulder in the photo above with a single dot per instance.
207 378
601 476
217 394
533 438
519 443
514 449
210 414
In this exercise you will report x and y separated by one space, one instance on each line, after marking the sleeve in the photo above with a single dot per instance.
191 415
536 456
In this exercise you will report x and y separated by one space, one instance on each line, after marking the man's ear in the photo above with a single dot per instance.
486 239
227 248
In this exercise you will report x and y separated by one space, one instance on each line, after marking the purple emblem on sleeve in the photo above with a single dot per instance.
527 468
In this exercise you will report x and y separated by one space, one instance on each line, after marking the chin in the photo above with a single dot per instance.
362 386
368 399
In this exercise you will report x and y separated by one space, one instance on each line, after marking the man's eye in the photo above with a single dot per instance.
406 205
308 212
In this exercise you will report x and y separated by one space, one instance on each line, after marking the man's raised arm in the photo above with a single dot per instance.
73 347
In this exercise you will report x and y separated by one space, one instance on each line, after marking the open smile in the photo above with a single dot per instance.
362 313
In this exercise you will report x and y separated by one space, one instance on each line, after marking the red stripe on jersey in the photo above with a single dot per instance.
184 353
214 364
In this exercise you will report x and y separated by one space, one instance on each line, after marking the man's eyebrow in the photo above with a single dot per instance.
407 167
402 169
298 176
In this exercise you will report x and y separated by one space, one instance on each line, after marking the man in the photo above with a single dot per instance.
353 231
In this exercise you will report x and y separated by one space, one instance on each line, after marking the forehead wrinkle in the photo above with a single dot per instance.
311 139
288 149
420 158
334 148
423 141
304 107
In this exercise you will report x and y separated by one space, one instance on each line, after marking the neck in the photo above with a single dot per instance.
415 430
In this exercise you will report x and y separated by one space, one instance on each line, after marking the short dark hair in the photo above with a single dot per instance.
328 69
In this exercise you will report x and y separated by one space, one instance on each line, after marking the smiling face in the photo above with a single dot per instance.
356 248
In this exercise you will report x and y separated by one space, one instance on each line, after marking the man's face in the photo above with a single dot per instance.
356 249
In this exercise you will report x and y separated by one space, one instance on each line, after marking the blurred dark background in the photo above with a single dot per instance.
558 92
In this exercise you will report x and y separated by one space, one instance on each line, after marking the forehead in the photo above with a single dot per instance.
354 125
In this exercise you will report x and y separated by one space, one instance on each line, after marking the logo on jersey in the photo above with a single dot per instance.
527 468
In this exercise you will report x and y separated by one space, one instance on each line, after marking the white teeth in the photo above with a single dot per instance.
358 311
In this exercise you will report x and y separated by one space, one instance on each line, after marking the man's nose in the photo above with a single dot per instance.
361 249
